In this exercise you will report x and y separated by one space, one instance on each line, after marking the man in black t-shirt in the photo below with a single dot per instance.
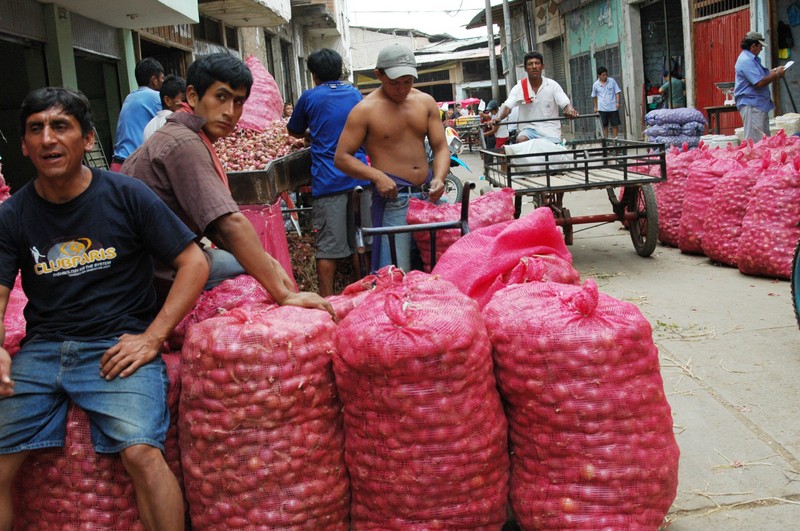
83 241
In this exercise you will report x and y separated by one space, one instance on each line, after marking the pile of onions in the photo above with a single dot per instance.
488 209
249 150
358 291
260 425
670 193
426 438
590 427
75 488
769 227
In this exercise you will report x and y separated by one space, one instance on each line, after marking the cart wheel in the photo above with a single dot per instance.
796 282
644 230
453 188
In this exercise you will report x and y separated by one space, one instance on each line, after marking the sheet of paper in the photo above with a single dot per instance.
787 65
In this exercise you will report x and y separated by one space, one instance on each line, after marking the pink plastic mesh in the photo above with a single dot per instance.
426 438
591 437
265 103
486 210
14 319
260 423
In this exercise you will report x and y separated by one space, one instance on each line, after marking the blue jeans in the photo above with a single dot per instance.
532 133
48 374
394 215
223 266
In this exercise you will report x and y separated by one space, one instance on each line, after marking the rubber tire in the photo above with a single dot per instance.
453 188
796 282
644 231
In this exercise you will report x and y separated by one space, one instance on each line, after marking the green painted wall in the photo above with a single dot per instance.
596 26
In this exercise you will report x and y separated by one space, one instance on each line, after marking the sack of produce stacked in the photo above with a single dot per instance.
5 190
426 438
354 294
669 193
260 423
265 103
769 233
14 318
591 437
726 211
268 222
488 209
482 261
74 487
250 150
675 127
703 175
229 294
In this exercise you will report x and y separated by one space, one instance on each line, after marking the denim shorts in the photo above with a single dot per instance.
530 133
223 266
48 374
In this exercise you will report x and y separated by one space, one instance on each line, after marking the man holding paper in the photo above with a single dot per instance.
751 90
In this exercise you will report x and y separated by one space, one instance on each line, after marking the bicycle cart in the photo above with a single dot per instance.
621 167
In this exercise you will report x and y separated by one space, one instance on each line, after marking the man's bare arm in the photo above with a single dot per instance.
135 350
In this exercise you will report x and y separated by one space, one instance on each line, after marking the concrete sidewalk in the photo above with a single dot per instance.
730 357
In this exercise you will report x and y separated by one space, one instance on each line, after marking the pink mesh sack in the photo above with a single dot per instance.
265 103
726 210
75 488
488 209
703 176
355 293
260 423
229 294
669 194
591 435
769 234
478 262
268 223
426 438
14 319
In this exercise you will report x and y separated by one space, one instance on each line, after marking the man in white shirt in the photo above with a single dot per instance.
538 97
172 93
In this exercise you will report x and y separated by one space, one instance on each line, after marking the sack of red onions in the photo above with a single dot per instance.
485 210
260 425
73 487
355 293
591 434
769 234
483 261
14 318
426 439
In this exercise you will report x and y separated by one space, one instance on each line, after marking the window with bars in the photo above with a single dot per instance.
708 8
581 80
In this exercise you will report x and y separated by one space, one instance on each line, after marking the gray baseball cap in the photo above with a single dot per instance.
755 36
396 61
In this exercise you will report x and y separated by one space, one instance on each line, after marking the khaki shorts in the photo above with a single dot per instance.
334 224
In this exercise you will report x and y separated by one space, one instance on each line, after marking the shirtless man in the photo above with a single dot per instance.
392 123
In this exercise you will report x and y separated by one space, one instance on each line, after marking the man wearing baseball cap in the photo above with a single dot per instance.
751 90
392 123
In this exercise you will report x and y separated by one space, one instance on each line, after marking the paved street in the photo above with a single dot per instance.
730 358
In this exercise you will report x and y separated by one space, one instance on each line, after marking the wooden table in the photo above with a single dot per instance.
713 116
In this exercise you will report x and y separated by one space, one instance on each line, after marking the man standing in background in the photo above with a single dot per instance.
139 107
605 96
322 112
172 94
673 91
751 90
538 97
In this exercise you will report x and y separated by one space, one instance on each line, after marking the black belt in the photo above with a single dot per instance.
413 189
117 160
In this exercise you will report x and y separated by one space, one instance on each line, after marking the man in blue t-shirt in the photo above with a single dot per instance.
84 241
322 112
751 90
139 107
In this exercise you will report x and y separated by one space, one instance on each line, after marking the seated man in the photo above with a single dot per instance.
180 164
538 97
93 334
